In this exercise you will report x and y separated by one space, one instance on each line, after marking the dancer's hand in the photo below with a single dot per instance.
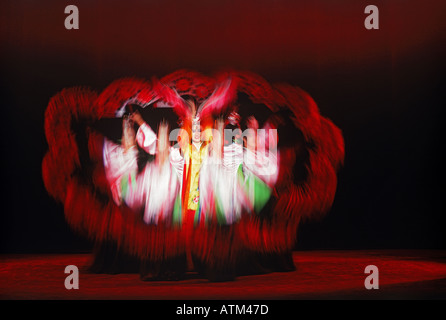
163 142
253 126
220 124
128 139
252 123
163 136
136 117
217 139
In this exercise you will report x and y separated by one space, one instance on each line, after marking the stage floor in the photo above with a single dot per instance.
403 274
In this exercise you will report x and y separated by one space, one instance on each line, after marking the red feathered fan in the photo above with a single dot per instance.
311 150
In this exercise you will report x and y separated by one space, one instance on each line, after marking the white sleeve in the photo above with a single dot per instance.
146 138
177 161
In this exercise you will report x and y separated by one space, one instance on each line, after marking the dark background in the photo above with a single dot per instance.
383 88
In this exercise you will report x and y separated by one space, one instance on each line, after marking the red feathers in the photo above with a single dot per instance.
87 202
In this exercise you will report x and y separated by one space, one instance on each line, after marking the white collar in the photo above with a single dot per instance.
197 145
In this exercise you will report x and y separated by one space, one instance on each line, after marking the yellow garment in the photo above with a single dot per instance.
197 157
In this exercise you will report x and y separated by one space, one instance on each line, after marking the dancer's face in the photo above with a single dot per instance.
128 133
196 133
